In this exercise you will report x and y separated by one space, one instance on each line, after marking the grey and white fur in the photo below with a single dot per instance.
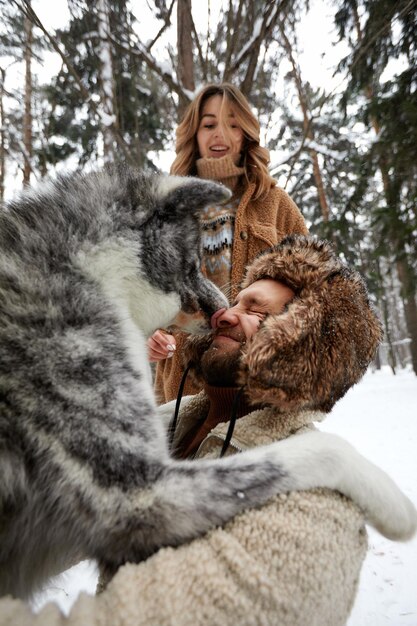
90 265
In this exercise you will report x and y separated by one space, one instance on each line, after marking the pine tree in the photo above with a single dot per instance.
386 31
19 44
122 113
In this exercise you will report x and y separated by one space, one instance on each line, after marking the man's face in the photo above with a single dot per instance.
235 325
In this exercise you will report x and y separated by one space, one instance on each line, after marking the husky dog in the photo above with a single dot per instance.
89 266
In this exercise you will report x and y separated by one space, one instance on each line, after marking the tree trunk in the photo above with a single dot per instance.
185 68
410 308
27 116
234 21
384 307
271 12
108 109
403 269
2 135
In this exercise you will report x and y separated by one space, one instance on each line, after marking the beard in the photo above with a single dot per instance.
220 368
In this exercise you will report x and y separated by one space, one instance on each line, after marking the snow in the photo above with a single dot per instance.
379 417
313 145
65 589
106 119
255 34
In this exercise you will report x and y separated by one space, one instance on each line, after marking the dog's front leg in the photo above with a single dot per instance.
188 498
203 494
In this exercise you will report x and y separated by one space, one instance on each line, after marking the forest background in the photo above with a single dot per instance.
114 79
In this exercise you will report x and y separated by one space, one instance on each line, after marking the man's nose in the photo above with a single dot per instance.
228 318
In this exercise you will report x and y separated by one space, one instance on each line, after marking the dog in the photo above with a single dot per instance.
90 265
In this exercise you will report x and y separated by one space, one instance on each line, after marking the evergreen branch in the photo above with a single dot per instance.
163 28
28 11
363 48
297 154
152 63
269 19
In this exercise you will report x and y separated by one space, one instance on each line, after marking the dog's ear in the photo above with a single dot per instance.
180 195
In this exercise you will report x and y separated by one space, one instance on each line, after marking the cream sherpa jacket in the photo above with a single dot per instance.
294 562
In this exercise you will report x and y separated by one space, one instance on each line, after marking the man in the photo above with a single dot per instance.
300 333
219 364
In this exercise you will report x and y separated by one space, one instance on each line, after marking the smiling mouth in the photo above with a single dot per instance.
225 339
219 149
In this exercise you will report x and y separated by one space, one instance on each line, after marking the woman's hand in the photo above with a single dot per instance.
160 346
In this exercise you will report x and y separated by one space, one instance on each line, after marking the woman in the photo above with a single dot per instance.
218 139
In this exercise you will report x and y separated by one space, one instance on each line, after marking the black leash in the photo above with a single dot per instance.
173 424
232 422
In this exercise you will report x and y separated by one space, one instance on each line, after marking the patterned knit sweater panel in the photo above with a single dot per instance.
217 239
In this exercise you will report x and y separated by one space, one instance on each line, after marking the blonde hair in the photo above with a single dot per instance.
255 158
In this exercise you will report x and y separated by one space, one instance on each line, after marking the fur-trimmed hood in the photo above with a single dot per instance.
307 357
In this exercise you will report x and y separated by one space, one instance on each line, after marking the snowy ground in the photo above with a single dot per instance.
379 417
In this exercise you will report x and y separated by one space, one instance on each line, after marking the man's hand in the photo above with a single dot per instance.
161 346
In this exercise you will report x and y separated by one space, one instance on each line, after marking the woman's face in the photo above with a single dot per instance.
218 134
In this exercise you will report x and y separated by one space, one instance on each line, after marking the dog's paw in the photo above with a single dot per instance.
398 519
